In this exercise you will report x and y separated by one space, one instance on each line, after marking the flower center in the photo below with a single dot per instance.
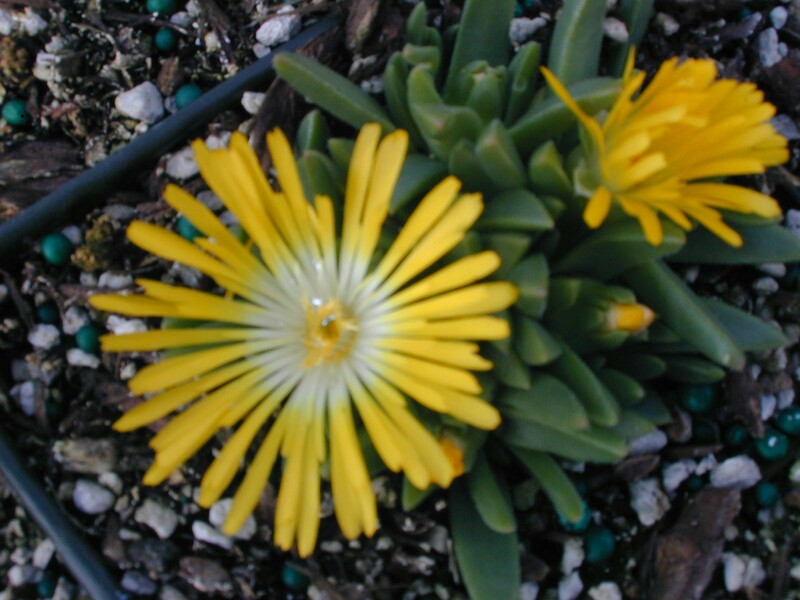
330 332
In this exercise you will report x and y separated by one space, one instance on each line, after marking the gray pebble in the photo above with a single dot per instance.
572 556
115 281
570 587
785 398
608 590
205 575
667 23
648 443
138 583
769 48
86 455
649 501
615 30
676 473
74 234
251 101
20 575
219 512
161 519
43 336
79 358
769 403
739 472
204 532
765 286
91 498
120 212
786 126
181 164
25 394
43 553
778 16
170 593
74 318
528 591
210 199
277 30
521 29
143 103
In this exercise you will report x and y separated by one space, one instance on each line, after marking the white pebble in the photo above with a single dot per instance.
573 555
188 275
219 512
739 472
528 591
277 30
88 279
570 587
648 443
111 480
120 325
778 16
795 572
252 101
769 403
206 533
765 286
215 141
260 50
676 473
181 164
667 23
211 41
119 212
742 571
769 48
6 22
649 501
792 221
74 234
78 358
181 19
522 29
115 281
74 318
706 464
210 199
91 498
25 394
774 269
608 590
44 336
161 519
43 553
785 398
20 575
31 22
143 103
615 30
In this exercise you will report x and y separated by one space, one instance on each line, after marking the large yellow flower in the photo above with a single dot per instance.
312 325
653 153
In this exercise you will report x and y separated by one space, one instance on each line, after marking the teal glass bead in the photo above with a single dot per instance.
46 586
704 432
599 544
736 435
162 7
56 248
695 483
789 420
766 494
185 229
187 94
47 312
166 39
773 446
697 398
87 339
293 579
15 113
579 525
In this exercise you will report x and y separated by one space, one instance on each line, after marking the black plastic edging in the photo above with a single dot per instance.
75 198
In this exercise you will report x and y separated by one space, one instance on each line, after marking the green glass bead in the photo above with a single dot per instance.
293 579
88 339
15 112
47 312
697 398
166 39
56 248
789 420
46 586
185 229
599 544
736 435
704 432
695 483
579 525
162 7
187 94
773 446
766 494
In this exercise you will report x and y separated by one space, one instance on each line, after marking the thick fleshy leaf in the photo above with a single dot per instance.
523 75
635 14
515 210
555 483
499 157
653 409
488 560
770 243
312 133
412 497
548 402
546 172
531 276
510 246
418 176
550 118
417 30
330 91
320 176
624 241
598 444
748 331
575 47
640 366
423 55
509 369
533 343
395 92
464 164
491 497
626 389
692 369
632 425
659 288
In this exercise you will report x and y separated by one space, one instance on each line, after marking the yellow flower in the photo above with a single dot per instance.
653 153
311 327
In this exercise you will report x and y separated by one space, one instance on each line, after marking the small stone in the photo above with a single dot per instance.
769 402
219 512
206 533
43 553
676 473
206 576
667 23
20 575
74 318
260 50
56 248
182 164
608 590
15 112
778 17
649 443
573 555
115 281
331 546
187 94
86 455
570 587
773 446
31 22
91 498
119 212
161 519
80 358
112 481
252 101
73 234
649 501
143 103
138 583
153 555
739 473
210 199
733 571
43 336
170 593
521 29
576 526
786 126
166 39
765 286
528 591
25 394
785 398
616 30
279 29
774 269
121 325
792 221
6 22
769 48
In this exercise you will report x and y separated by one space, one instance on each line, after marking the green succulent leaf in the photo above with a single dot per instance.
532 278
640 366
523 74
625 242
320 175
546 172
762 244
395 91
515 210
653 409
330 91
430 56
482 35
632 425
417 30
749 332
491 497
554 481
510 246
601 406
597 444
465 165
548 402
499 157
509 369
419 175
341 149
312 134
412 497
533 343
488 560
550 118
625 388
692 369
659 288
635 14
577 38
